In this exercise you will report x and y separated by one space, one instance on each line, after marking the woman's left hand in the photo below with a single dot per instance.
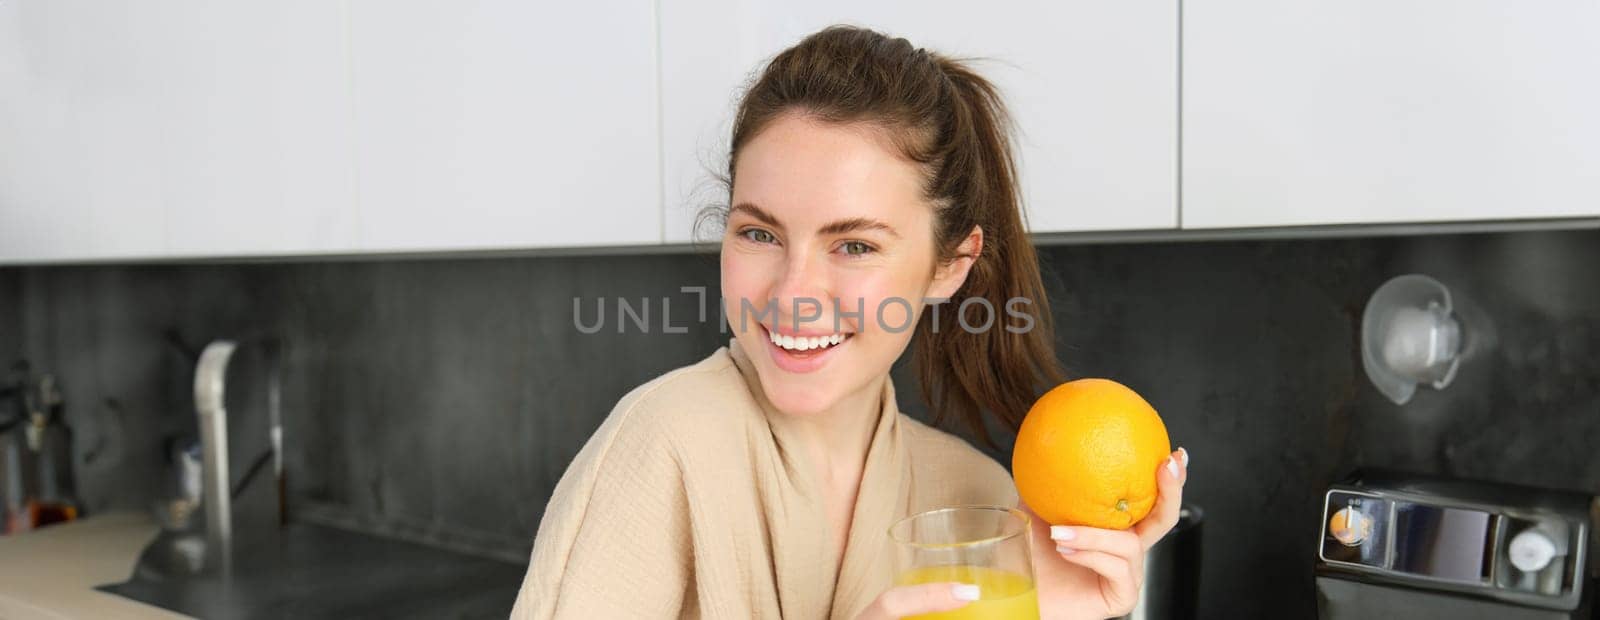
1085 572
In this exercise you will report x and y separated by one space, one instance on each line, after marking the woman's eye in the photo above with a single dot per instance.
759 236
856 248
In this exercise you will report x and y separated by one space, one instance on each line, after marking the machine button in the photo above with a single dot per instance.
1531 551
1350 526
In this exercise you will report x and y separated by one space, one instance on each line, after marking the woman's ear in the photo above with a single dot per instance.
948 277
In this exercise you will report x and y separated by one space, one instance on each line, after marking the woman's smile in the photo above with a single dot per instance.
803 351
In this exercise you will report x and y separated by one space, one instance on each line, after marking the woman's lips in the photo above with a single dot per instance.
799 362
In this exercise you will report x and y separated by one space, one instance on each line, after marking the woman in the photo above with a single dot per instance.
868 180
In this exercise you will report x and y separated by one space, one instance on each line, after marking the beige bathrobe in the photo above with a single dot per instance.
694 499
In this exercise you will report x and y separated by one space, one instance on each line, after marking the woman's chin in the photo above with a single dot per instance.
798 400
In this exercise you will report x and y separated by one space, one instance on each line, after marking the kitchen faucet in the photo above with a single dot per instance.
210 377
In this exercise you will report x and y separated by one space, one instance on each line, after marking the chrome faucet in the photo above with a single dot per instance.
216 493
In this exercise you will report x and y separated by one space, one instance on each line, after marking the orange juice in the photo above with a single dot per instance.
1001 594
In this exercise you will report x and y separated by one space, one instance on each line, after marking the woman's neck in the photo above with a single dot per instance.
838 438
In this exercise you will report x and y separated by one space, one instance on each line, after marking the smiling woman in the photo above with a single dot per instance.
870 183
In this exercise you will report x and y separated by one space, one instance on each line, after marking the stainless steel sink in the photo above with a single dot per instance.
312 571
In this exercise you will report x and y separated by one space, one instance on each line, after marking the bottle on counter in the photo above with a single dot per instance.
14 510
37 486
16 460
56 499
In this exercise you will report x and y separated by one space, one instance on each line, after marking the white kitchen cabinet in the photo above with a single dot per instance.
172 129
1373 111
196 129
1092 87
505 124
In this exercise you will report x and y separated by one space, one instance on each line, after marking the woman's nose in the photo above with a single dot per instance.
801 291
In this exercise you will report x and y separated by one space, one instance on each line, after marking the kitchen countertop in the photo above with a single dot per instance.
87 569
51 572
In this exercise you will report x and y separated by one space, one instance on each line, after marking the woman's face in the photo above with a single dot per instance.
829 250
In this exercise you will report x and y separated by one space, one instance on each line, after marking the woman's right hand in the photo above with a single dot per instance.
919 599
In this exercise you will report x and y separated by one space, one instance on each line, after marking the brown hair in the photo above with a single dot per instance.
946 118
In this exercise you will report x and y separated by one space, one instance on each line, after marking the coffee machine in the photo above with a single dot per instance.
1420 547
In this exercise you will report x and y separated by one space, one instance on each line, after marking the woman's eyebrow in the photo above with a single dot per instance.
853 224
756 212
837 227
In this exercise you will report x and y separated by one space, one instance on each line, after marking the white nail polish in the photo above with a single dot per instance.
1065 550
965 592
1185 454
1062 532
1172 467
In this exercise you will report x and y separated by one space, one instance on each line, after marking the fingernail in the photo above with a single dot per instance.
965 592
1184 452
1172 467
1062 532
1065 550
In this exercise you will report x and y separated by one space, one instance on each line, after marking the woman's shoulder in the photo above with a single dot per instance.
682 398
951 471
624 492
646 434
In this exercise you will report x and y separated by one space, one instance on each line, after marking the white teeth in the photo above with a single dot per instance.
804 343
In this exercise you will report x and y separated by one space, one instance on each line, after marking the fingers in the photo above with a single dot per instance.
1170 477
1119 578
1072 538
920 599
1072 541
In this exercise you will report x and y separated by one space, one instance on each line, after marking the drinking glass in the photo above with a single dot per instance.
988 546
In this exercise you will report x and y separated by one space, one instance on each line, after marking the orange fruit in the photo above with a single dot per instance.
1087 454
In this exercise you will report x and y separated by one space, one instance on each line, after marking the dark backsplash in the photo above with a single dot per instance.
441 399
10 314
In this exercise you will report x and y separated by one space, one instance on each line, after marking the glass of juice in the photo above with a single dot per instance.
983 545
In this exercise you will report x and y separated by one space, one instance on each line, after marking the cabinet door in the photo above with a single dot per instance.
151 130
1362 111
505 124
1092 87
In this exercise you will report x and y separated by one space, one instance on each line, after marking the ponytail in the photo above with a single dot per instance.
1001 369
